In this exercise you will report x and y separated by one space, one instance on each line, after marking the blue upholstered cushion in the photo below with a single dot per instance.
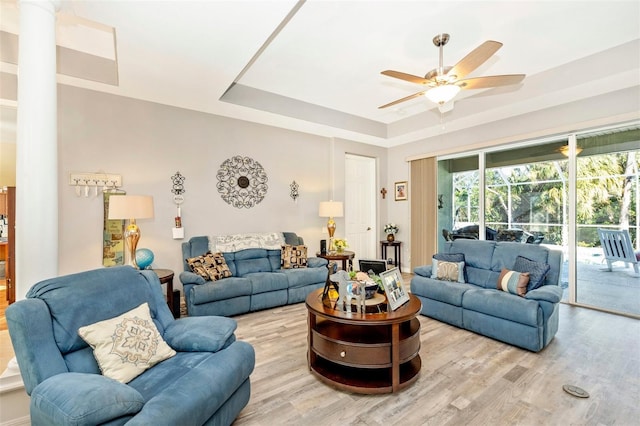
199 334
537 271
122 286
449 257
103 399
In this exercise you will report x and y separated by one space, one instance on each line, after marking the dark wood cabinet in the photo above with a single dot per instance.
10 265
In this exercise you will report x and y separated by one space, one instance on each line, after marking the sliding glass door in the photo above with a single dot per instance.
607 199
458 198
526 193
558 193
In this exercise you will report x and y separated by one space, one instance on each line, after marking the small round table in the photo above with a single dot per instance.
166 277
367 353
346 257
397 250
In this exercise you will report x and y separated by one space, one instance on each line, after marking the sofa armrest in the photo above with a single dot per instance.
200 334
423 271
82 398
32 337
317 262
546 293
191 278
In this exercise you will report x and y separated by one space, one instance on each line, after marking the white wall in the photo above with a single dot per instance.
148 143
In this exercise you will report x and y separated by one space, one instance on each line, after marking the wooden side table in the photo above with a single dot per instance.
166 277
346 257
369 353
397 250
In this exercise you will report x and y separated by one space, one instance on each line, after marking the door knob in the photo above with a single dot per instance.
368 228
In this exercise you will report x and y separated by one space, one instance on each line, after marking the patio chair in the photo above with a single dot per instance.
617 248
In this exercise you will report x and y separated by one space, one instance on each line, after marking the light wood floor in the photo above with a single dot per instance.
465 378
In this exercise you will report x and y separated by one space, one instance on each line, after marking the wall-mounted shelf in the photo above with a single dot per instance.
95 179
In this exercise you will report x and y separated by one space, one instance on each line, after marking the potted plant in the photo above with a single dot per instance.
391 229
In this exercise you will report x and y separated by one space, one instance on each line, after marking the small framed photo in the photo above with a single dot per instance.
402 191
394 288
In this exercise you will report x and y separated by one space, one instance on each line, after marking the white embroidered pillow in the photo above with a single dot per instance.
447 271
127 345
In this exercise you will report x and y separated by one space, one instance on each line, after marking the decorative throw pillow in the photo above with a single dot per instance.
211 266
293 257
537 271
127 345
513 282
447 271
452 257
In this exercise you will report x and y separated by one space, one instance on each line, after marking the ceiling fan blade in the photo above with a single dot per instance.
415 95
474 59
406 77
490 81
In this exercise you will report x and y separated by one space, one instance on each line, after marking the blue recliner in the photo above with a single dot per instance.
205 382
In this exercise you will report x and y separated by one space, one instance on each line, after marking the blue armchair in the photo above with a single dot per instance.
205 382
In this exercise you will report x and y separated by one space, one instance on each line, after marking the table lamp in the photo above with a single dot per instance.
131 207
331 209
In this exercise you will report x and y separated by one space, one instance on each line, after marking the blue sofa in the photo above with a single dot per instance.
529 322
257 280
205 382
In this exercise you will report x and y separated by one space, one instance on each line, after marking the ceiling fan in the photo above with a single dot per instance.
443 83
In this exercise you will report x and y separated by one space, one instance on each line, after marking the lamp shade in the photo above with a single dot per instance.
331 209
131 207
442 94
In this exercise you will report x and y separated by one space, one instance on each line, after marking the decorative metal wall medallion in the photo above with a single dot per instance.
242 182
178 184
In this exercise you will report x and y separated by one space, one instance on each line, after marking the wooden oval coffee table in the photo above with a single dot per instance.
366 353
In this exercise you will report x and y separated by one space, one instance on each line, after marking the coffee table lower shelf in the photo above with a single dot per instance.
365 380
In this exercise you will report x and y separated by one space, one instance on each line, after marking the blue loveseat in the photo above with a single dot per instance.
257 282
205 382
529 322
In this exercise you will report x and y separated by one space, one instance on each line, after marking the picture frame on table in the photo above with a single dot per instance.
394 288
401 191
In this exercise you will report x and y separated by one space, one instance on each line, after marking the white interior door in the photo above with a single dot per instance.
360 206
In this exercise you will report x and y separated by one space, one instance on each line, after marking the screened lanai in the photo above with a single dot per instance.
557 192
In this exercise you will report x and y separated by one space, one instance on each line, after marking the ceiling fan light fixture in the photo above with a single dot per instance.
564 150
442 94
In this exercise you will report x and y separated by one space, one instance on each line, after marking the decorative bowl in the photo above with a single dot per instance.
370 290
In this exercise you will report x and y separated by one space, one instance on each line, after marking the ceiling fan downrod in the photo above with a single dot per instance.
440 40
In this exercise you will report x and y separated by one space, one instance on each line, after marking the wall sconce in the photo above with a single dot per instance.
294 187
178 189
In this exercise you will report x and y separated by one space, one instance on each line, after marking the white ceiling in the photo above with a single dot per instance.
320 73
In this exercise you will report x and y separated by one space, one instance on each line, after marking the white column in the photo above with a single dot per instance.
37 148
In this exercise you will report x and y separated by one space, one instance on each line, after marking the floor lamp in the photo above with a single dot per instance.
331 209
131 207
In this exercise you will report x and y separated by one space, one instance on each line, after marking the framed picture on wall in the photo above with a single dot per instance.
394 288
402 191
